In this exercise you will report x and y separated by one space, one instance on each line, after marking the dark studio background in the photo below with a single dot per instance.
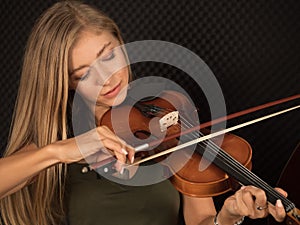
252 47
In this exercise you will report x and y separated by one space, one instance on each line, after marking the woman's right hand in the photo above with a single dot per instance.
91 144
30 160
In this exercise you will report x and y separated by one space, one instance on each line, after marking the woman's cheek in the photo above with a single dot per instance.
89 92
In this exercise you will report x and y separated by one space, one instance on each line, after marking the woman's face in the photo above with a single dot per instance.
98 70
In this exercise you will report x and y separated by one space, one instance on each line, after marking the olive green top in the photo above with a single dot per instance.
95 200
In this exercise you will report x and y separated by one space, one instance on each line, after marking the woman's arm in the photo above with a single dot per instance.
16 170
198 210
201 211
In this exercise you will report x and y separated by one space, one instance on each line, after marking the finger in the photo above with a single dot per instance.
106 133
114 146
241 207
280 211
247 199
129 150
256 201
120 157
277 211
119 166
259 196
281 191
131 153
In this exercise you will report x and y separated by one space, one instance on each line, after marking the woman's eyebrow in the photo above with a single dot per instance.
97 55
102 49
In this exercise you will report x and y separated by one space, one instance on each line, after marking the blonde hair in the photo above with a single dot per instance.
40 115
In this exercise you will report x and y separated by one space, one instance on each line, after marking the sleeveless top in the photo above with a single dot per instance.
95 200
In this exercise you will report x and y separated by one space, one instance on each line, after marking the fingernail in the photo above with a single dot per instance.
122 170
132 159
124 151
279 203
243 187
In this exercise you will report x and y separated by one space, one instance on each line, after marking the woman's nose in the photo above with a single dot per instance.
108 80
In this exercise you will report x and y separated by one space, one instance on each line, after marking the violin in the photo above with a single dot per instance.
189 180
227 159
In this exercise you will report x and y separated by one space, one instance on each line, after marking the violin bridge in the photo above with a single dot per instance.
168 120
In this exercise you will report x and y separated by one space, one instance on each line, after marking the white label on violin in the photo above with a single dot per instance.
168 120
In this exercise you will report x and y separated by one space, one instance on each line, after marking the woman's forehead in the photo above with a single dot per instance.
88 46
88 39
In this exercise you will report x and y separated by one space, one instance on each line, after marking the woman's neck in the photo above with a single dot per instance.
100 110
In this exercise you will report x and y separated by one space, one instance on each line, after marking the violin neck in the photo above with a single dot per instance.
241 174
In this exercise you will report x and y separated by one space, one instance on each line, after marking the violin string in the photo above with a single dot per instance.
209 143
229 161
232 163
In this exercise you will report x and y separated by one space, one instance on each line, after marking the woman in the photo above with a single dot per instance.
63 44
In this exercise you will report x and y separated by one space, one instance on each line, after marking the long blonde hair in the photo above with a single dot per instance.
40 114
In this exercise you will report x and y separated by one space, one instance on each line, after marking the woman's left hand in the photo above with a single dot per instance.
252 202
278 211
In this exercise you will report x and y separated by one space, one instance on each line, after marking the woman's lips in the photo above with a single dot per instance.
113 92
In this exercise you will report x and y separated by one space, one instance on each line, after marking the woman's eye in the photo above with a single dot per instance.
108 56
85 75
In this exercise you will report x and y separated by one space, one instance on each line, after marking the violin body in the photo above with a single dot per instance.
189 179
212 181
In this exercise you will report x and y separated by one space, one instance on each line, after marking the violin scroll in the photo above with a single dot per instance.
293 217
